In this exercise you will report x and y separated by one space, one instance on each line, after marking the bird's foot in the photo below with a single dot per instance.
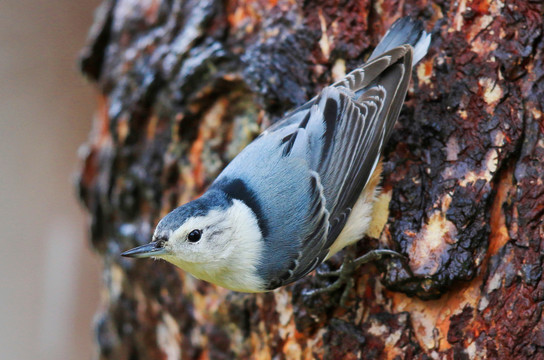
344 274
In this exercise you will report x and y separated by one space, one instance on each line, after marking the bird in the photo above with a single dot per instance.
304 189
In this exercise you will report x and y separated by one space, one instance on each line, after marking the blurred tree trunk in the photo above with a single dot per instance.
185 85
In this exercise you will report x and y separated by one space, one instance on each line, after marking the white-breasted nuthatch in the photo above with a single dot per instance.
304 189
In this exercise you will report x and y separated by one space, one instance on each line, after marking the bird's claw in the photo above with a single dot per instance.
374 255
345 272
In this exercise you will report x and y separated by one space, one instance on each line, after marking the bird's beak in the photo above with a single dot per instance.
152 249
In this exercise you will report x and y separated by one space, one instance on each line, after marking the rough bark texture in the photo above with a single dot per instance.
185 85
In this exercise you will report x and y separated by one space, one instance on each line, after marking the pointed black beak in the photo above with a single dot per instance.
152 249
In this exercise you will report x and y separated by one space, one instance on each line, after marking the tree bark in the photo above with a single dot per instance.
185 85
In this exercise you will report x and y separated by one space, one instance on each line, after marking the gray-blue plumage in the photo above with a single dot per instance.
322 155
302 176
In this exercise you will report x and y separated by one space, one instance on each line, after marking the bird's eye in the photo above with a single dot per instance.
194 235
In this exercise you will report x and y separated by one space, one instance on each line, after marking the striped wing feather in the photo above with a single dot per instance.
341 133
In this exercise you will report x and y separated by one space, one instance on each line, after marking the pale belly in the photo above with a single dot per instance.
361 215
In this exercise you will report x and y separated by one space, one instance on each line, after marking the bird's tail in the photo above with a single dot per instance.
405 31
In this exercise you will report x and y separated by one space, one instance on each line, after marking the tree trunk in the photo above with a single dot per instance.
185 85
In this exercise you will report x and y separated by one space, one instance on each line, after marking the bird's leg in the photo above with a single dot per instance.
374 255
345 272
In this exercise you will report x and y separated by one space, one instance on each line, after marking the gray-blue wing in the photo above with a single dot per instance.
340 135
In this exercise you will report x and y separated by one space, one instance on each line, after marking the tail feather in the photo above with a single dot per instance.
405 31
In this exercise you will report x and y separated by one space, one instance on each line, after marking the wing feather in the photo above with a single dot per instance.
311 253
340 135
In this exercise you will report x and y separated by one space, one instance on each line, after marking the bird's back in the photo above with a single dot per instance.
303 175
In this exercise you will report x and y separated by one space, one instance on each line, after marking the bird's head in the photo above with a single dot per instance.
213 238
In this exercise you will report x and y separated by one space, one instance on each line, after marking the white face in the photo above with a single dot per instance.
228 251
200 240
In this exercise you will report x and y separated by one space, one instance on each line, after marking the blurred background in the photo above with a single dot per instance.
49 278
